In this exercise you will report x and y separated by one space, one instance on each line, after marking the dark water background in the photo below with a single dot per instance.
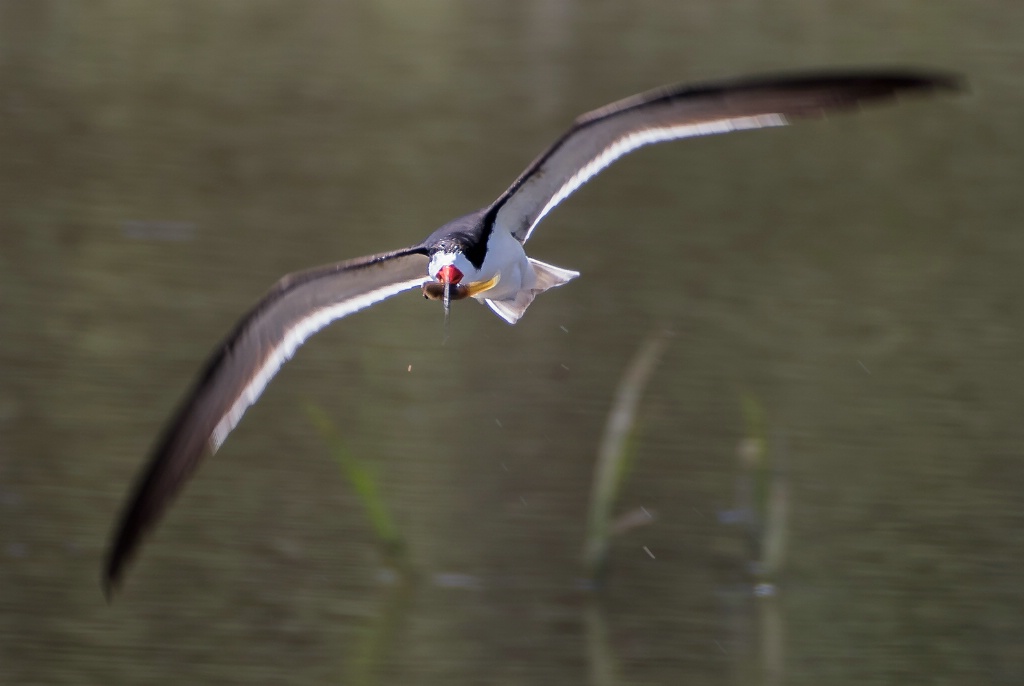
161 164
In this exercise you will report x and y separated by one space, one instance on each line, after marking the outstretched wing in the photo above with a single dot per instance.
298 306
598 138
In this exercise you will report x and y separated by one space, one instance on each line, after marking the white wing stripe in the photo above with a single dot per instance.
636 139
293 338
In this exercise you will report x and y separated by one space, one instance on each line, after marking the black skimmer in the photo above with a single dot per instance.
479 255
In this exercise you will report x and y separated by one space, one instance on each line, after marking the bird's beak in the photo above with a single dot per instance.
434 290
447 302
449 276
448 287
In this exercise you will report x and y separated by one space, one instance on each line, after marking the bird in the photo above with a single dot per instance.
479 255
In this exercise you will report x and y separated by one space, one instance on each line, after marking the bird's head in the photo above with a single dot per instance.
448 269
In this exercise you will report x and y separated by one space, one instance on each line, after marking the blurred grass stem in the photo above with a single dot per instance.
615 453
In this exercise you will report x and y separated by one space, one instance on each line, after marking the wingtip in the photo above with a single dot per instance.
934 79
110 579
119 554
885 78
905 79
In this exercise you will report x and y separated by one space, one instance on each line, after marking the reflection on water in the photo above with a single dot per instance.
163 164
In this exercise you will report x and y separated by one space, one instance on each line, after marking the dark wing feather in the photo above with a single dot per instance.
298 306
598 138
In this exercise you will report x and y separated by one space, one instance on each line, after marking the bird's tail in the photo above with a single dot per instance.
547 276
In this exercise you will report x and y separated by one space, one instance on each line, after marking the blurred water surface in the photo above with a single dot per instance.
161 164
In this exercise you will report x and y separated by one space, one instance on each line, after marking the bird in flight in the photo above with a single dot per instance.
479 255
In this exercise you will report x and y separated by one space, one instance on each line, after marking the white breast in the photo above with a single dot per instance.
505 256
